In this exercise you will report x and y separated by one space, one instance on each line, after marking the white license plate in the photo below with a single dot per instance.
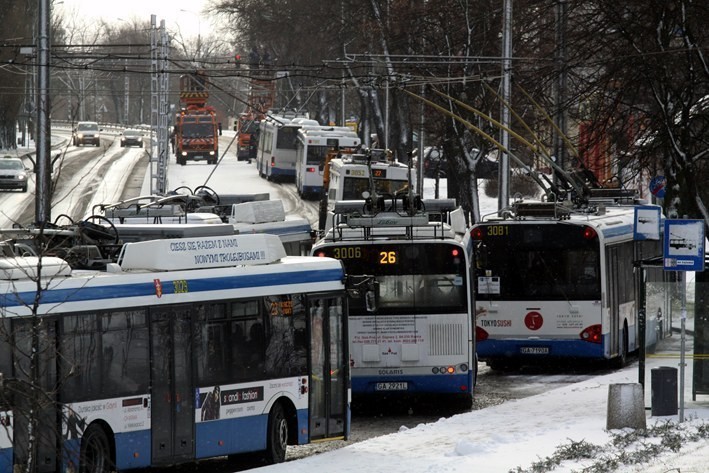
399 386
534 350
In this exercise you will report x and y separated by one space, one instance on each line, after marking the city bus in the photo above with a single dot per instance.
352 175
313 146
181 350
275 156
410 323
556 283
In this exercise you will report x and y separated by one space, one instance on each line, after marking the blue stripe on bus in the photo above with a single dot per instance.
276 171
133 449
419 384
230 433
55 296
510 349
618 231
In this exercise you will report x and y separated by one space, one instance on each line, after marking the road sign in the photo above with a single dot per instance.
647 222
684 245
657 186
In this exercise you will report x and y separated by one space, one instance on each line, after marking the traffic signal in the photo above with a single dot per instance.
237 59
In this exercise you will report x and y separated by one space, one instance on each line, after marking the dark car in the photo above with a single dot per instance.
13 174
86 133
131 137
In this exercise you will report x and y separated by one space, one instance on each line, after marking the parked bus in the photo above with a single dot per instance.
410 323
313 146
275 157
182 350
554 283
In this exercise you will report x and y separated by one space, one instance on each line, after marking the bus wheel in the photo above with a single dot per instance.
95 451
277 435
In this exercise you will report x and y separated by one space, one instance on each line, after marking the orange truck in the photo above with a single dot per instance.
196 133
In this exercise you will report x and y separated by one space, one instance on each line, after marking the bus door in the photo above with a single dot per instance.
613 299
172 400
329 379
44 344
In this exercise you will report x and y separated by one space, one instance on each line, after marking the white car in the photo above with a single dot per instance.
13 174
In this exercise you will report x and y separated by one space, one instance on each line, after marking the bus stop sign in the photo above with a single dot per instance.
684 245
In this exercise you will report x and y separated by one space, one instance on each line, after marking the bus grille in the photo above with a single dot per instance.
446 339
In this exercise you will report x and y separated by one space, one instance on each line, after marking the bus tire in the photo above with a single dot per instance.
277 439
96 454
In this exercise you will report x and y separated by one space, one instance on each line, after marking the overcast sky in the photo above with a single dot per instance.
185 14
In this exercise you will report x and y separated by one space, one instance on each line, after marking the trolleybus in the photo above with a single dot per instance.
410 324
313 146
555 282
353 174
182 350
275 158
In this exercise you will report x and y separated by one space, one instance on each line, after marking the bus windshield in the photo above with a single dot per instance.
533 262
354 186
286 138
317 154
422 278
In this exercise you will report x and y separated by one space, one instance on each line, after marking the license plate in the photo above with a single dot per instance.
399 386
534 350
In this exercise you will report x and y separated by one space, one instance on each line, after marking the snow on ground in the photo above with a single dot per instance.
515 434
492 440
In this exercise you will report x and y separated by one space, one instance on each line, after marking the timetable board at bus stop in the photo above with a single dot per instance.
684 251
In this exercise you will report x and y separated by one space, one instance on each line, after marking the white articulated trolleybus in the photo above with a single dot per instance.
181 350
313 146
556 281
410 323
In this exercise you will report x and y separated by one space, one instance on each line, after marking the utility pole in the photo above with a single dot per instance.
44 177
158 106
503 197
559 151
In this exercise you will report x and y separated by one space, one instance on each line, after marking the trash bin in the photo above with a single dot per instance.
663 394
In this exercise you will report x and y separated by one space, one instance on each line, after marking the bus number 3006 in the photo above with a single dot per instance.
347 252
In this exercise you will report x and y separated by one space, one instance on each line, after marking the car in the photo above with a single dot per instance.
13 174
131 137
86 132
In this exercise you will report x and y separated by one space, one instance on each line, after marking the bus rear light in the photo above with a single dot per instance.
477 233
450 370
273 161
455 252
321 254
592 334
589 233
481 334
310 169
